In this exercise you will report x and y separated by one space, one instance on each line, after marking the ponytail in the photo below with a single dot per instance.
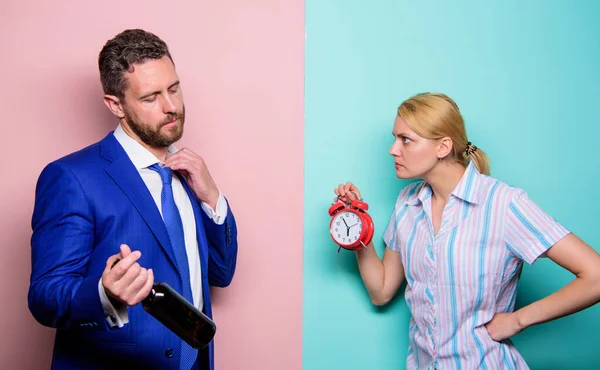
478 157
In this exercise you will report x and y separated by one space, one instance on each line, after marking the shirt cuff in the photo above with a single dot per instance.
218 215
114 317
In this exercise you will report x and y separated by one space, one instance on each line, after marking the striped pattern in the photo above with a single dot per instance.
457 280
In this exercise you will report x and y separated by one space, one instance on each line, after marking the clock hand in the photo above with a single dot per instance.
347 228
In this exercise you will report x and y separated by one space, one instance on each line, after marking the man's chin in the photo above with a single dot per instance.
173 134
165 141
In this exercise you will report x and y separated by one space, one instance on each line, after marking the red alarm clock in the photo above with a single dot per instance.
351 227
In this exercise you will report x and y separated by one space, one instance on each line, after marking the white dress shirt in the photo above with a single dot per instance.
142 158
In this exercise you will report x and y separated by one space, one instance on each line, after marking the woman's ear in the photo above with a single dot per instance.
444 147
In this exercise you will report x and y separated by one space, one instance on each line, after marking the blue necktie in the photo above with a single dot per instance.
174 226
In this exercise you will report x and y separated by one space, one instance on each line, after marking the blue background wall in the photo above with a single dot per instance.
527 79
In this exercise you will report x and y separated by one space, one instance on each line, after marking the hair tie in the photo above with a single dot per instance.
470 148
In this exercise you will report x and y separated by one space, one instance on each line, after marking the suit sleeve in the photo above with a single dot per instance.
222 248
60 294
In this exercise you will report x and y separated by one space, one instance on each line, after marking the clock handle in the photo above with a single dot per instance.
360 205
336 207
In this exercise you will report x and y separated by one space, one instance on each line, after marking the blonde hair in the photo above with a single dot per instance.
435 116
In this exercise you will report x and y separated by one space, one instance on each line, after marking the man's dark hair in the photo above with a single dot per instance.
123 51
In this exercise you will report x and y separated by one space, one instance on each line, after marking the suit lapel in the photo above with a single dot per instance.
126 176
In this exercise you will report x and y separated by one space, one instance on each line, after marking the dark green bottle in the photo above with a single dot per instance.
179 315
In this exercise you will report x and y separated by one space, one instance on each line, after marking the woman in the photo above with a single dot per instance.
460 237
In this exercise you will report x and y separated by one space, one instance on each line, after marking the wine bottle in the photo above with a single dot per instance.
179 315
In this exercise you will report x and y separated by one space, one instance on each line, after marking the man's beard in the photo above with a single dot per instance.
154 137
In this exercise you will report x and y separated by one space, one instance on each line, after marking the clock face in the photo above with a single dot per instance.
346 228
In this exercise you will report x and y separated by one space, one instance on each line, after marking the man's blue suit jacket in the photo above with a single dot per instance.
86 205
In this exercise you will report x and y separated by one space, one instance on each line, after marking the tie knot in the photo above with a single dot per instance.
165 173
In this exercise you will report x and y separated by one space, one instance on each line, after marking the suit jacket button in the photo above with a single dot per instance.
169 352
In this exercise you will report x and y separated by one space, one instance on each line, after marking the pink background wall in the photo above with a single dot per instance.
241 66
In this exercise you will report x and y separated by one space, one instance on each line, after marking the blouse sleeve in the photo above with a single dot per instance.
530 232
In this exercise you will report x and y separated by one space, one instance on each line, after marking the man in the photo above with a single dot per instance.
131 197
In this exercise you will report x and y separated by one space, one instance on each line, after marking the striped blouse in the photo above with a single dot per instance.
457 280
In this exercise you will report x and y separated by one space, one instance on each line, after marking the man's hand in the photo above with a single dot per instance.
195 171
127 282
